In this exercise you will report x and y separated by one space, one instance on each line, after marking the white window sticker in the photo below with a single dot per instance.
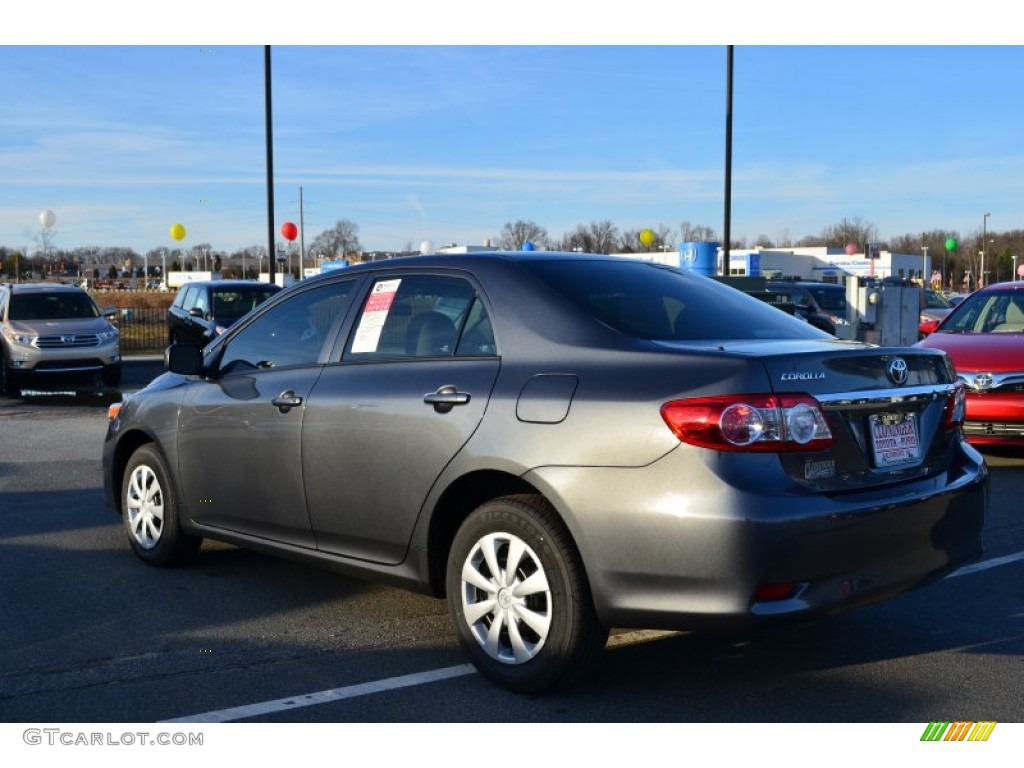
375 313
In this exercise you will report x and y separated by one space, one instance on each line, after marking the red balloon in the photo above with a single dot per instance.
289 231
851 248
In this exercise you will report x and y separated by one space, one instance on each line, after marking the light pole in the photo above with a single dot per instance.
924 264
1014 275
984 234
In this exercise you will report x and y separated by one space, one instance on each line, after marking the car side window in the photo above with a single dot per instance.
202 302
420 316
290 333
185 297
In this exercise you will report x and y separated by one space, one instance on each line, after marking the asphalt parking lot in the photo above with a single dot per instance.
91 635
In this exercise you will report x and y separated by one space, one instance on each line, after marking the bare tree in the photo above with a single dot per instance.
854 230
338 241
596 237
697 233
515 233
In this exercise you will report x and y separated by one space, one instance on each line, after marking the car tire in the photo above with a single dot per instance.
534 628
149 508
112 375
10 384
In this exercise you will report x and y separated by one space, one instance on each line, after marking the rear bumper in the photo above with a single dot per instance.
670 548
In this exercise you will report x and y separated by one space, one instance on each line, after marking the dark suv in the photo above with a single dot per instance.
206 308
823 305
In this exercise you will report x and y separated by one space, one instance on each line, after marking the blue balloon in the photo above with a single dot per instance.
528 246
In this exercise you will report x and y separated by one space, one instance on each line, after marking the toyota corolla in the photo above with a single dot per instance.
557 444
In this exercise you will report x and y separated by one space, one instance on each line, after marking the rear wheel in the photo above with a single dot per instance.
150 511
519 597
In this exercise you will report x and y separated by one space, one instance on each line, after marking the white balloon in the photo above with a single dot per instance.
47 219
426 247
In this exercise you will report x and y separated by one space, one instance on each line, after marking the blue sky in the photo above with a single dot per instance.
449 142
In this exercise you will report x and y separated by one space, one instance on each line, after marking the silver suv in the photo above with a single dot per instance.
52 332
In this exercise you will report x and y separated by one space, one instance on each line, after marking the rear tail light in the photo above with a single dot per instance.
956 407
773 423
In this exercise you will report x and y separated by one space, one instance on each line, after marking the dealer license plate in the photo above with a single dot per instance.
894 439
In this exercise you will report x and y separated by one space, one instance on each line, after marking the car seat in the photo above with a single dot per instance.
430 334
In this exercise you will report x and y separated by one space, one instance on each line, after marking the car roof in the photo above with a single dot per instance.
43 288
473 260
806 284
227 283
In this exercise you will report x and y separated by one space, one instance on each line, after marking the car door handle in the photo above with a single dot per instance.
286 401
446 398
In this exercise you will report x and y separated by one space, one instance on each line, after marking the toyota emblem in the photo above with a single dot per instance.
898 371
983 380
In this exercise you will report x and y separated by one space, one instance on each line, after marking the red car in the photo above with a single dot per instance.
984 337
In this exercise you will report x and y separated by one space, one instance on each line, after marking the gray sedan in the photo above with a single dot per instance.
557 444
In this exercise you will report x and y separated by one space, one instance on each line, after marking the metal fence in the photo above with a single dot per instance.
143 329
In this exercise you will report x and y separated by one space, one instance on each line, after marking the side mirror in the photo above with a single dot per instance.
196 312
928 326
109 312
185 359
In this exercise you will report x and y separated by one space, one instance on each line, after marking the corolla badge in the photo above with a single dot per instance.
802 376
898 370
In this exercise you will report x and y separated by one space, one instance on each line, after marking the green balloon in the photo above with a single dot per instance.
951 244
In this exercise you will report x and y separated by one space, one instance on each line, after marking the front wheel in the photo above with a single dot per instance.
150 511
9 385
111 375
519 597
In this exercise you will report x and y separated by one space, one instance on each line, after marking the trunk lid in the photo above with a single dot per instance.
886 409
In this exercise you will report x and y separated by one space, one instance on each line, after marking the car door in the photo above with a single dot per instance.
411 388
239 431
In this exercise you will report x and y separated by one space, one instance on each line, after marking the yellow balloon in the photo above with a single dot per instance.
178 232
646 237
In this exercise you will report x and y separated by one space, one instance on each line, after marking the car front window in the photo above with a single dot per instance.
290 333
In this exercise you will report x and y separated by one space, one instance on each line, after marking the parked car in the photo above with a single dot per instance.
558 444
823 305
51 333
205 308
984 336
935 309
956 298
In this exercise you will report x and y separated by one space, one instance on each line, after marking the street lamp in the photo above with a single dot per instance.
924 263
984 234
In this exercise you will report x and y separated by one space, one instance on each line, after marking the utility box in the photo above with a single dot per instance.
885 312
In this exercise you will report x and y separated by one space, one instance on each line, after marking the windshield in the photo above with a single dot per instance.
1000 312
58 305
936 300
830 299
658 303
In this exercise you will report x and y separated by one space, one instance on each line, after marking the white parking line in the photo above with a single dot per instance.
984 565
446 673
324 697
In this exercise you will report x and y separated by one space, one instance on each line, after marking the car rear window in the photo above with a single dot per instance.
658 303
236 302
